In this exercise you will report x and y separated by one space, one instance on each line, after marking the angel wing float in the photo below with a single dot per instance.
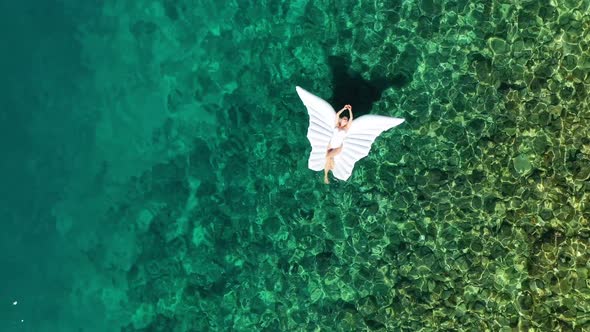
357 143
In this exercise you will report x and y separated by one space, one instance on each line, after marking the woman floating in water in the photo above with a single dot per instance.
338 135
336 144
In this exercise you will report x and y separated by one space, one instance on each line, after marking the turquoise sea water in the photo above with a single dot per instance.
154 166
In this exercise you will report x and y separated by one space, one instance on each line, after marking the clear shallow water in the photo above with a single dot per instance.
155 175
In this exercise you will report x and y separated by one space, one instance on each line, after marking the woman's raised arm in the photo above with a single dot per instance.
338 115
349 107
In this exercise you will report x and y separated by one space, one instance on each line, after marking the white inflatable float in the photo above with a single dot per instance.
357 142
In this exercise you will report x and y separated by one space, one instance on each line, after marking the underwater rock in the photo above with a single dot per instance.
143 316
498 45
144 220
522 165
583 173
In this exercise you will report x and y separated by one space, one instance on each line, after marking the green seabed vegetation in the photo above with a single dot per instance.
471 216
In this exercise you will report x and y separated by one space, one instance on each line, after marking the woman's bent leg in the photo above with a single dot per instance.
332 152
330 162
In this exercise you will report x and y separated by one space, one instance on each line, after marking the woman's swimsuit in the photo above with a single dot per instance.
337 139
